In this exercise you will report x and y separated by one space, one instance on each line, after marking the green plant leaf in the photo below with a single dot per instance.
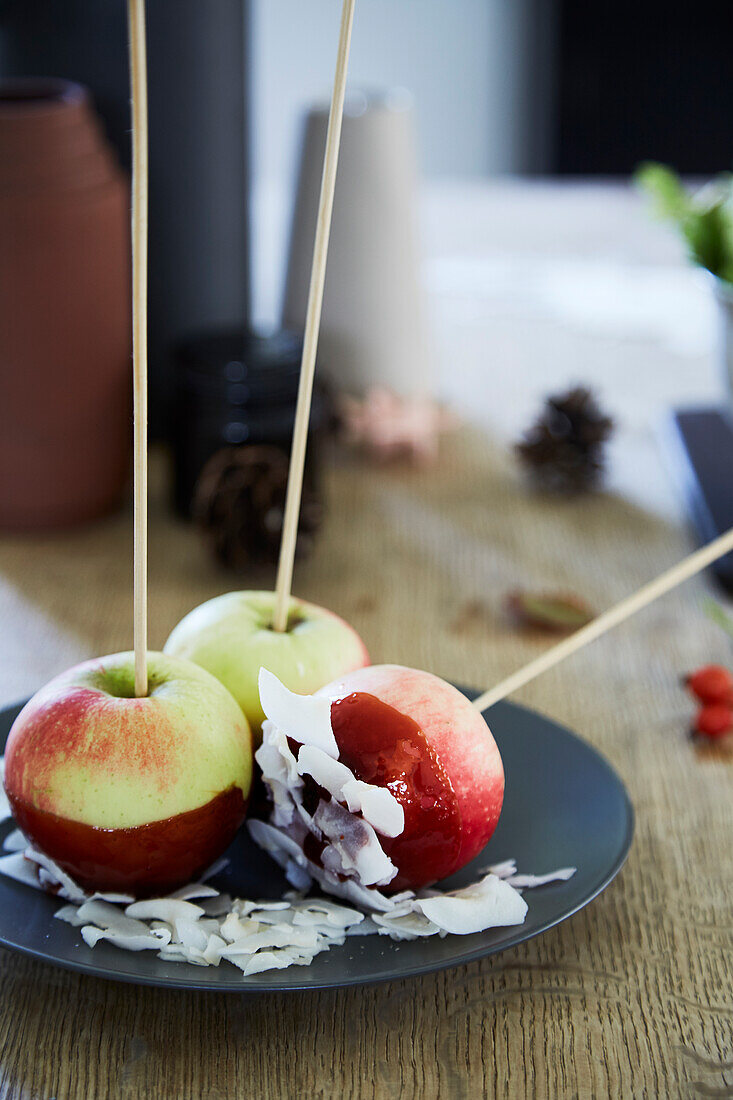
705 220
664 187
719 615
707 233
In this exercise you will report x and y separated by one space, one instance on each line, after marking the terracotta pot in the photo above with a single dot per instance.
65 374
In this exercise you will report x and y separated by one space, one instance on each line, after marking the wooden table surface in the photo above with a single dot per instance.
630 998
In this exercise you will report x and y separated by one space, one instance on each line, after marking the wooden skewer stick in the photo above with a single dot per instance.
312 326
685 569
138 84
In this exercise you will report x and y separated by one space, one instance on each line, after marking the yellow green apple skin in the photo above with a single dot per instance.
232 637
140 793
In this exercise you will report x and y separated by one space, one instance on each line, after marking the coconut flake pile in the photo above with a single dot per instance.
198 924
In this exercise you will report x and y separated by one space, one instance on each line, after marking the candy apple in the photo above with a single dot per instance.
387 779
125 793
232 637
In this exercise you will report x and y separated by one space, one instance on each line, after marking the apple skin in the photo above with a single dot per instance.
459 740
231 637
140 794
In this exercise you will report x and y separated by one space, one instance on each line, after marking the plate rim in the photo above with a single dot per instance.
249 986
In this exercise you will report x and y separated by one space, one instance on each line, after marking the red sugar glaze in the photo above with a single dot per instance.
385 747
144 860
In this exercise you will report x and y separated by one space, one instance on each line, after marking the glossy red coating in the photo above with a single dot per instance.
144 860
385 747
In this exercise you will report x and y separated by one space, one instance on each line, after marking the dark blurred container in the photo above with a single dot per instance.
64 309
235 388
199 273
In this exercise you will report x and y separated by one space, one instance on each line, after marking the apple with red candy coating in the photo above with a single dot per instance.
126 793
421 738
232 637
387 778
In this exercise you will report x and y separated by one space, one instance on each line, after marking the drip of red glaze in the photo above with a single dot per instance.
143 860
382 746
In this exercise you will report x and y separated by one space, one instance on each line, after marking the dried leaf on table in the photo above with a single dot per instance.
557 613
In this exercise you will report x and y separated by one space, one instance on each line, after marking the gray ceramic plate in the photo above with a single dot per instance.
564 806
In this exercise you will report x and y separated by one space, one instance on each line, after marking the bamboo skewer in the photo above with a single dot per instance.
138 85
312 326
685 569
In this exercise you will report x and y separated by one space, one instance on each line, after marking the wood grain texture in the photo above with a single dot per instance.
630 998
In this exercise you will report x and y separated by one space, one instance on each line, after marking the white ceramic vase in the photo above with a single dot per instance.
373 330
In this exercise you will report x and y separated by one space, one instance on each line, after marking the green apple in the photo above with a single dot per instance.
232 637
131 793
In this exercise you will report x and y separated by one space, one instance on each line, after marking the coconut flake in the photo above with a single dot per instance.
378 806
408 926
109 917
324 910
305 718
194 890
356 843
166 909
330 774
489 903
275 757
147 942
179 954
234 929
69 914
268 960
528 882
274 936
189 933
366 928
297 876
366 897
51 875
214 948
280 846
113 898
217 907
501 870
17 867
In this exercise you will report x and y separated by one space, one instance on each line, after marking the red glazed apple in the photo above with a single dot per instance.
387 778
130 794
420 737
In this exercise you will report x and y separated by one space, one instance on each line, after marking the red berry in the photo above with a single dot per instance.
714 720
712 684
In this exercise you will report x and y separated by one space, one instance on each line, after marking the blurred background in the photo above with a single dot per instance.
512 88
492 264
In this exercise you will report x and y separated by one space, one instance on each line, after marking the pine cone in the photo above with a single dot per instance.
563 451
239 501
